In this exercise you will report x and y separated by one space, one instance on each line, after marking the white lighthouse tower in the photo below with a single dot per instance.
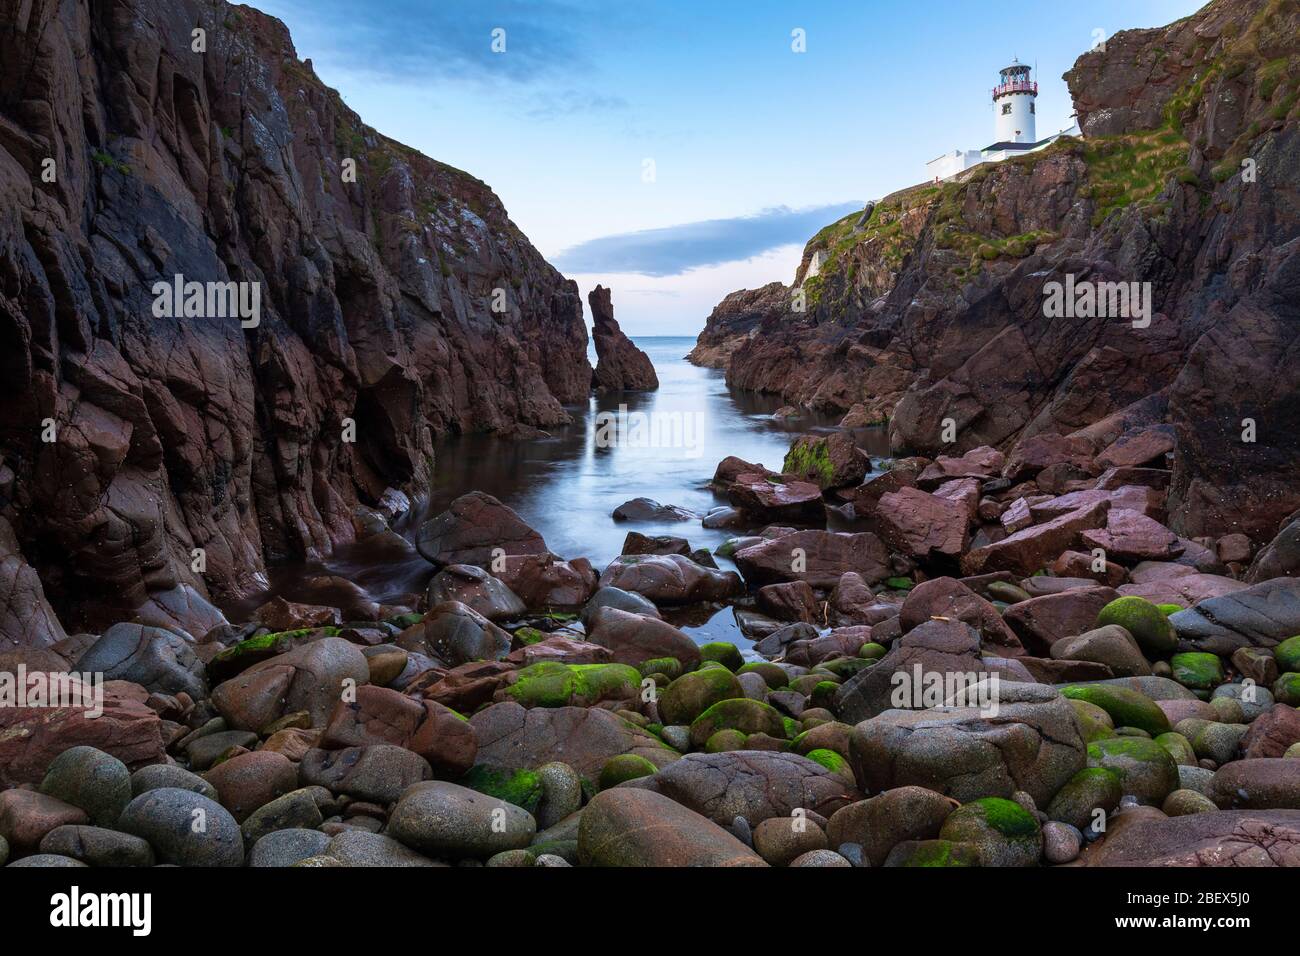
1015 129
1013 105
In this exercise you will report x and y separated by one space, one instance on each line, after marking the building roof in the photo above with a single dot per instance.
996 147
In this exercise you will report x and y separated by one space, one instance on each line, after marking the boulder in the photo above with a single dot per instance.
950 598
378 715
473 527
545 581
310 678
888 819
753 784
1034 548
1250 838
153 658
477 590
632 827
456 634
634 638
1031 744
27 816
670 579
936 647
448 820
32 737
983 462
376 773
1262 615
923 526
820 558
1112 646
830 461
1130 536
1265 783
1042 621
767 499
168 820
512 737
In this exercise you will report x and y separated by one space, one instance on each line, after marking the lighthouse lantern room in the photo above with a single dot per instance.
1013 105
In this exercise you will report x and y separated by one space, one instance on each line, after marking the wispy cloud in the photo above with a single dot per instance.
673 250
450 39
573 102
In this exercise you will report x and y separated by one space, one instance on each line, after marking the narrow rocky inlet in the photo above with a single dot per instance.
1011 590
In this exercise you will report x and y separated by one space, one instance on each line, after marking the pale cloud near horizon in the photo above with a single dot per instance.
674 250
679 305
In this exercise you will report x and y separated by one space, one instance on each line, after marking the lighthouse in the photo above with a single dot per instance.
1013 105
1015 127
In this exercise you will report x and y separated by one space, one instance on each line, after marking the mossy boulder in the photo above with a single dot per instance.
1217 741
529 635
871 651
1093 722
523 788
1127 708
1090 789
670 667
1167 609
742 714
1197 670
935 853
1146 622
253 650
723 741
1146 770
1179 747
1003 832
823 695
1182 803
724 653
773 674
692 694
846 667
624 767
1288 654
1286 689
552 684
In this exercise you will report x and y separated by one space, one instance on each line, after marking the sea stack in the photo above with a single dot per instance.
620 365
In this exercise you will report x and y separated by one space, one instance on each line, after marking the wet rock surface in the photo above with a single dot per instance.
966 657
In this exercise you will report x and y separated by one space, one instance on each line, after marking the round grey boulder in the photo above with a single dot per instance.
96 782
450 820
185 828
287 847
159 775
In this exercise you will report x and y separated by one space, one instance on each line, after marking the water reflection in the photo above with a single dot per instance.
566 485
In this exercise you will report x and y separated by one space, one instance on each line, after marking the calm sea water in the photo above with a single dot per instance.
568 484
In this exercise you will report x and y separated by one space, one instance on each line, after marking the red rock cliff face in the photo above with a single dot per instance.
933 308
393 307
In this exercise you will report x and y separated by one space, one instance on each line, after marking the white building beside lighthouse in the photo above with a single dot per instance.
1014 126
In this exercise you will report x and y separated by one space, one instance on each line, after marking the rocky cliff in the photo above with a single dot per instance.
149 463
932 310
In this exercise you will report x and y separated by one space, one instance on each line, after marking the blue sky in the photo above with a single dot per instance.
677 150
